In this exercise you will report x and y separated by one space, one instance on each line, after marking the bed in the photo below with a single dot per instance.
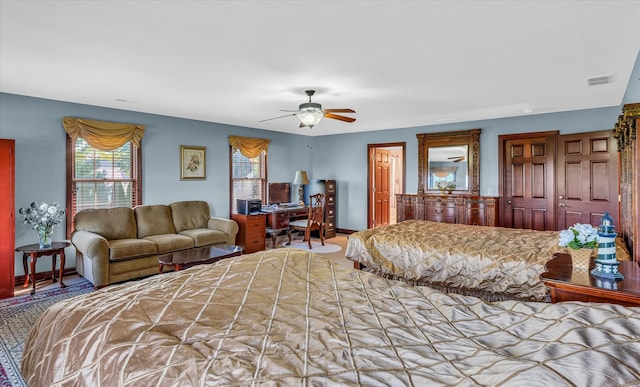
290 317
493 263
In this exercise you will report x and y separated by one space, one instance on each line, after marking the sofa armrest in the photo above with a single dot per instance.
228 226
95 249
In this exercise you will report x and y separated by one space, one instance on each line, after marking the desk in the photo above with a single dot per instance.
278 219
568 284
35 252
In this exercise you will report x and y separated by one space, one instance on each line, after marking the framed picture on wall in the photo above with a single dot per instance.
192 162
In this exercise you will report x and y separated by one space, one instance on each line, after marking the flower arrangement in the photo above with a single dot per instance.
41 214
579 236
194 163
444 186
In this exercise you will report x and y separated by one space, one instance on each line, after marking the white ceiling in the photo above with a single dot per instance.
397 63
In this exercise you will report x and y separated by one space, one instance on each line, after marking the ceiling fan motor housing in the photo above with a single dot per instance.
310 107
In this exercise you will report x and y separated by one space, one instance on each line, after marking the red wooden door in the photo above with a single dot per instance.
382 187
7 217
587 177
529 180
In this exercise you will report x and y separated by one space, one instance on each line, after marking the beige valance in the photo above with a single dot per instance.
249 147
103 135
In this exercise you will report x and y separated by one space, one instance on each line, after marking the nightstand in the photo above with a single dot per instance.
569 284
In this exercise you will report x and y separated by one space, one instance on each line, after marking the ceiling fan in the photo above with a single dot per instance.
456 159
310 113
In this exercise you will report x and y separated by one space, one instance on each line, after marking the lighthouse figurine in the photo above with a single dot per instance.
606 263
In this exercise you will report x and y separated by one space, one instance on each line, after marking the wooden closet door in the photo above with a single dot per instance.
587 177
528 185
7 217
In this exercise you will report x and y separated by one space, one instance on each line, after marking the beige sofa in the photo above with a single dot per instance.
118 244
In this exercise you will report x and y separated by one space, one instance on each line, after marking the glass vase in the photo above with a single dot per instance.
45 234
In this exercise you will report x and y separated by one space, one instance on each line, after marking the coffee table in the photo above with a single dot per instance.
567 283
197 256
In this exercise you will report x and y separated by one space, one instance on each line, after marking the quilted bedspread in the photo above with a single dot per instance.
289 317
504 263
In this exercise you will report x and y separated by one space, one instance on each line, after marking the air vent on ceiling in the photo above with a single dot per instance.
600 80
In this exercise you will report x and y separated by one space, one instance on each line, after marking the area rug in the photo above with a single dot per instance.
316 247
17 316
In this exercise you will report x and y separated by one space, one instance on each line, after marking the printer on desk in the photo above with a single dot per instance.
249 206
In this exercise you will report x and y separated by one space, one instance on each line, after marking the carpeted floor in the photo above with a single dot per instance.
18 314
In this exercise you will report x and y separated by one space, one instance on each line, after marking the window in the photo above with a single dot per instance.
104 166
248 177
248 162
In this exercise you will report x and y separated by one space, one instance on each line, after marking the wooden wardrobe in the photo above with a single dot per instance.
7 217
625 133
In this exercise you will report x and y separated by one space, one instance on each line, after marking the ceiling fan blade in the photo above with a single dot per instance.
339 110
338 117
290 111
275 118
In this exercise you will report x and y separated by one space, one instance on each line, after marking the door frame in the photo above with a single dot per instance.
371 150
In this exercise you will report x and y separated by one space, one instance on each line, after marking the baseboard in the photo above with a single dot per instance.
345 231
19 280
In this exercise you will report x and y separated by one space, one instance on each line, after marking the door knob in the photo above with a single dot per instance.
563 205
508 201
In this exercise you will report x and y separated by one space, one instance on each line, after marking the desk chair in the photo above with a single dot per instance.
315 220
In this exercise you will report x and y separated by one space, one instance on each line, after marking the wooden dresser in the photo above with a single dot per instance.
251 232
473 210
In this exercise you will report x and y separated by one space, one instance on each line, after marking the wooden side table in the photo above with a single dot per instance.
35 252
566 283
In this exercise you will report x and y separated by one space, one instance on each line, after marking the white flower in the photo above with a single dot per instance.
41 214
579 236
566 236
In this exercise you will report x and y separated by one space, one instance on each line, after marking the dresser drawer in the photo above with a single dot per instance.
440 211
278 220
255 245
475 216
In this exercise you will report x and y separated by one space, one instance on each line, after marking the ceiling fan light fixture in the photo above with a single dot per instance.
310 114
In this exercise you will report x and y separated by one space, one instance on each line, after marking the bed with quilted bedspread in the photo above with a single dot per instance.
494 263
289 317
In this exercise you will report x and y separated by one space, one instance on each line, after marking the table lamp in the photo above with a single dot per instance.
301 179
607 264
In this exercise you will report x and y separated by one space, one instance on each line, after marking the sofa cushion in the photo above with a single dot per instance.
122 249
110 223
153 220
188 215
205 236
167 243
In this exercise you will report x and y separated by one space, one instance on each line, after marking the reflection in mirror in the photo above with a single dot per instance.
447 166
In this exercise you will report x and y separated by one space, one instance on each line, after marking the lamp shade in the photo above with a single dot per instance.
301 178
310 114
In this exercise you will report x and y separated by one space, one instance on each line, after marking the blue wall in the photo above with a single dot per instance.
36 125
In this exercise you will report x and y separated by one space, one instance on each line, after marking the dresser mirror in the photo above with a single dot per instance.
449 162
